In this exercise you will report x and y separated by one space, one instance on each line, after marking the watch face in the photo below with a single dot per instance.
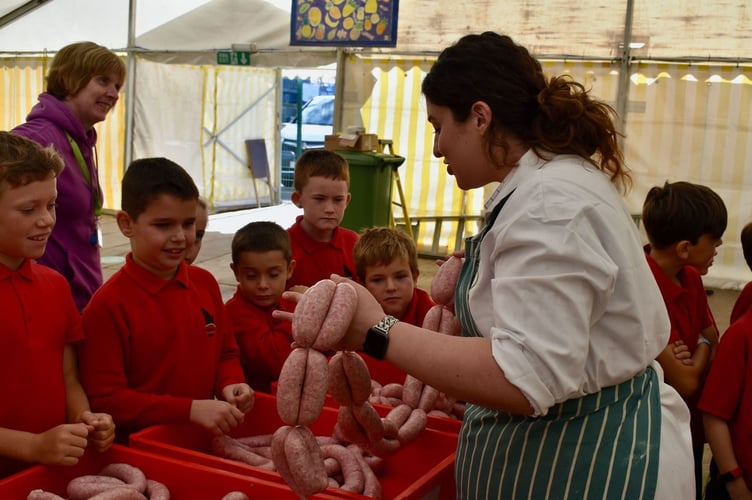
376 342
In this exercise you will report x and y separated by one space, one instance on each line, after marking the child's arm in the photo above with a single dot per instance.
719 438
683 375
61 445
100 425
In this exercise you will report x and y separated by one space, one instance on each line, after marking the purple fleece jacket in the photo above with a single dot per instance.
70 249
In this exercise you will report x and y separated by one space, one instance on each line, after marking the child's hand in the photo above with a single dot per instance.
219 417
240 395
681 352
101 429
61 445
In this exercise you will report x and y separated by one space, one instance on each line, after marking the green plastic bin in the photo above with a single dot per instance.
370 187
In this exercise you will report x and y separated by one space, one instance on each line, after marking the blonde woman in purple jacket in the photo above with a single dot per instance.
83 85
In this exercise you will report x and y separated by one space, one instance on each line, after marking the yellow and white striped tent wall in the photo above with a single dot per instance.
684 122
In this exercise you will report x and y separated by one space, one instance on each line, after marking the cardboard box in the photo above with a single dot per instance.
186 481
351 142
423 469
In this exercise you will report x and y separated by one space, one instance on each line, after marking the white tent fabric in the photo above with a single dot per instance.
689 110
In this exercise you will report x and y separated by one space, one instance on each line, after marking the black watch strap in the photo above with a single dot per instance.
377 337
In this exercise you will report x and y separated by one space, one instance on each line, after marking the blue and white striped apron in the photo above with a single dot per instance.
600 446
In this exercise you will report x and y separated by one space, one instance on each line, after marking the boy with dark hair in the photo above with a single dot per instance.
202 220
386 262
744 300
684 223
262 263
158 348
319 245
45 416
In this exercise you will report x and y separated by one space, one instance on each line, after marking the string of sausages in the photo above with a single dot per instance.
320 321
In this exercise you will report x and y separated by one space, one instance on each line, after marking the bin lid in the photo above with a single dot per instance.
371 159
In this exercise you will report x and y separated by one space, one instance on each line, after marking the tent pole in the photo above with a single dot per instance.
339 91
130 103
622 96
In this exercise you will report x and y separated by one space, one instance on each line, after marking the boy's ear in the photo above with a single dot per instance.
290 269
125 223
234 272
347 201
295 199
682 249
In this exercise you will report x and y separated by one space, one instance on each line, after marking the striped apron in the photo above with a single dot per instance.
600 446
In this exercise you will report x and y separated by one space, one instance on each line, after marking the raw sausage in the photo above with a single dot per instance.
311 311
340 314
83 487
132 476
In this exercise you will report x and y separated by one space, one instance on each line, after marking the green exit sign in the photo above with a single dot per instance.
235 58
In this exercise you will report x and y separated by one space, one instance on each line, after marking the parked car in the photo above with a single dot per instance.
317 119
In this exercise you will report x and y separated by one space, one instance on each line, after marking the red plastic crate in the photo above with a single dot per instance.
423 469
186 481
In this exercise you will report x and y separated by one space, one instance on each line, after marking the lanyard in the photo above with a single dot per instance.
85 171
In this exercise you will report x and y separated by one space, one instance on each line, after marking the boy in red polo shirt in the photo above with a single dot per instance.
386 262
45 416
684 223
744 300
262 263
158 349
726 404
320 247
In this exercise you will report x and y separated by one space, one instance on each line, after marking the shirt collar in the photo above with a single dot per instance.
149 281
526 166
24 271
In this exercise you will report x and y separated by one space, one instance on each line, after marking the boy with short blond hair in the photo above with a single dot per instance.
320 247
44 415
386 262
158 348
262 263
684 223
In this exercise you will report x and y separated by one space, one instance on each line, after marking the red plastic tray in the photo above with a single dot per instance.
186 481
423 469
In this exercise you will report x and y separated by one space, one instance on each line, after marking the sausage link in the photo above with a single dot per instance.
432 319
311 311
305 462
339 388
412 390
227 447
371 483
315 384
338 318
290 385
156 490
370 421
348 427
428 398
119 493
82 487
132 476
358 377
43 495
352 471
449 324
414 425
444 281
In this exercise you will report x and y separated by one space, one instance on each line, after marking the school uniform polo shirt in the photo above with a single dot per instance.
154 345
264 341
743 303
39 318
318 260
727 393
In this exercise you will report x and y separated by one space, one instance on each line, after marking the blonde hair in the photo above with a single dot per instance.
381 246
23 161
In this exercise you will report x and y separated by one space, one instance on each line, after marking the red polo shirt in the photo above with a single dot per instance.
154 345
318 260
264 341
39 318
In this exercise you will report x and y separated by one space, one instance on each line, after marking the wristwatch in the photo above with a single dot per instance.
729 476
377 337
